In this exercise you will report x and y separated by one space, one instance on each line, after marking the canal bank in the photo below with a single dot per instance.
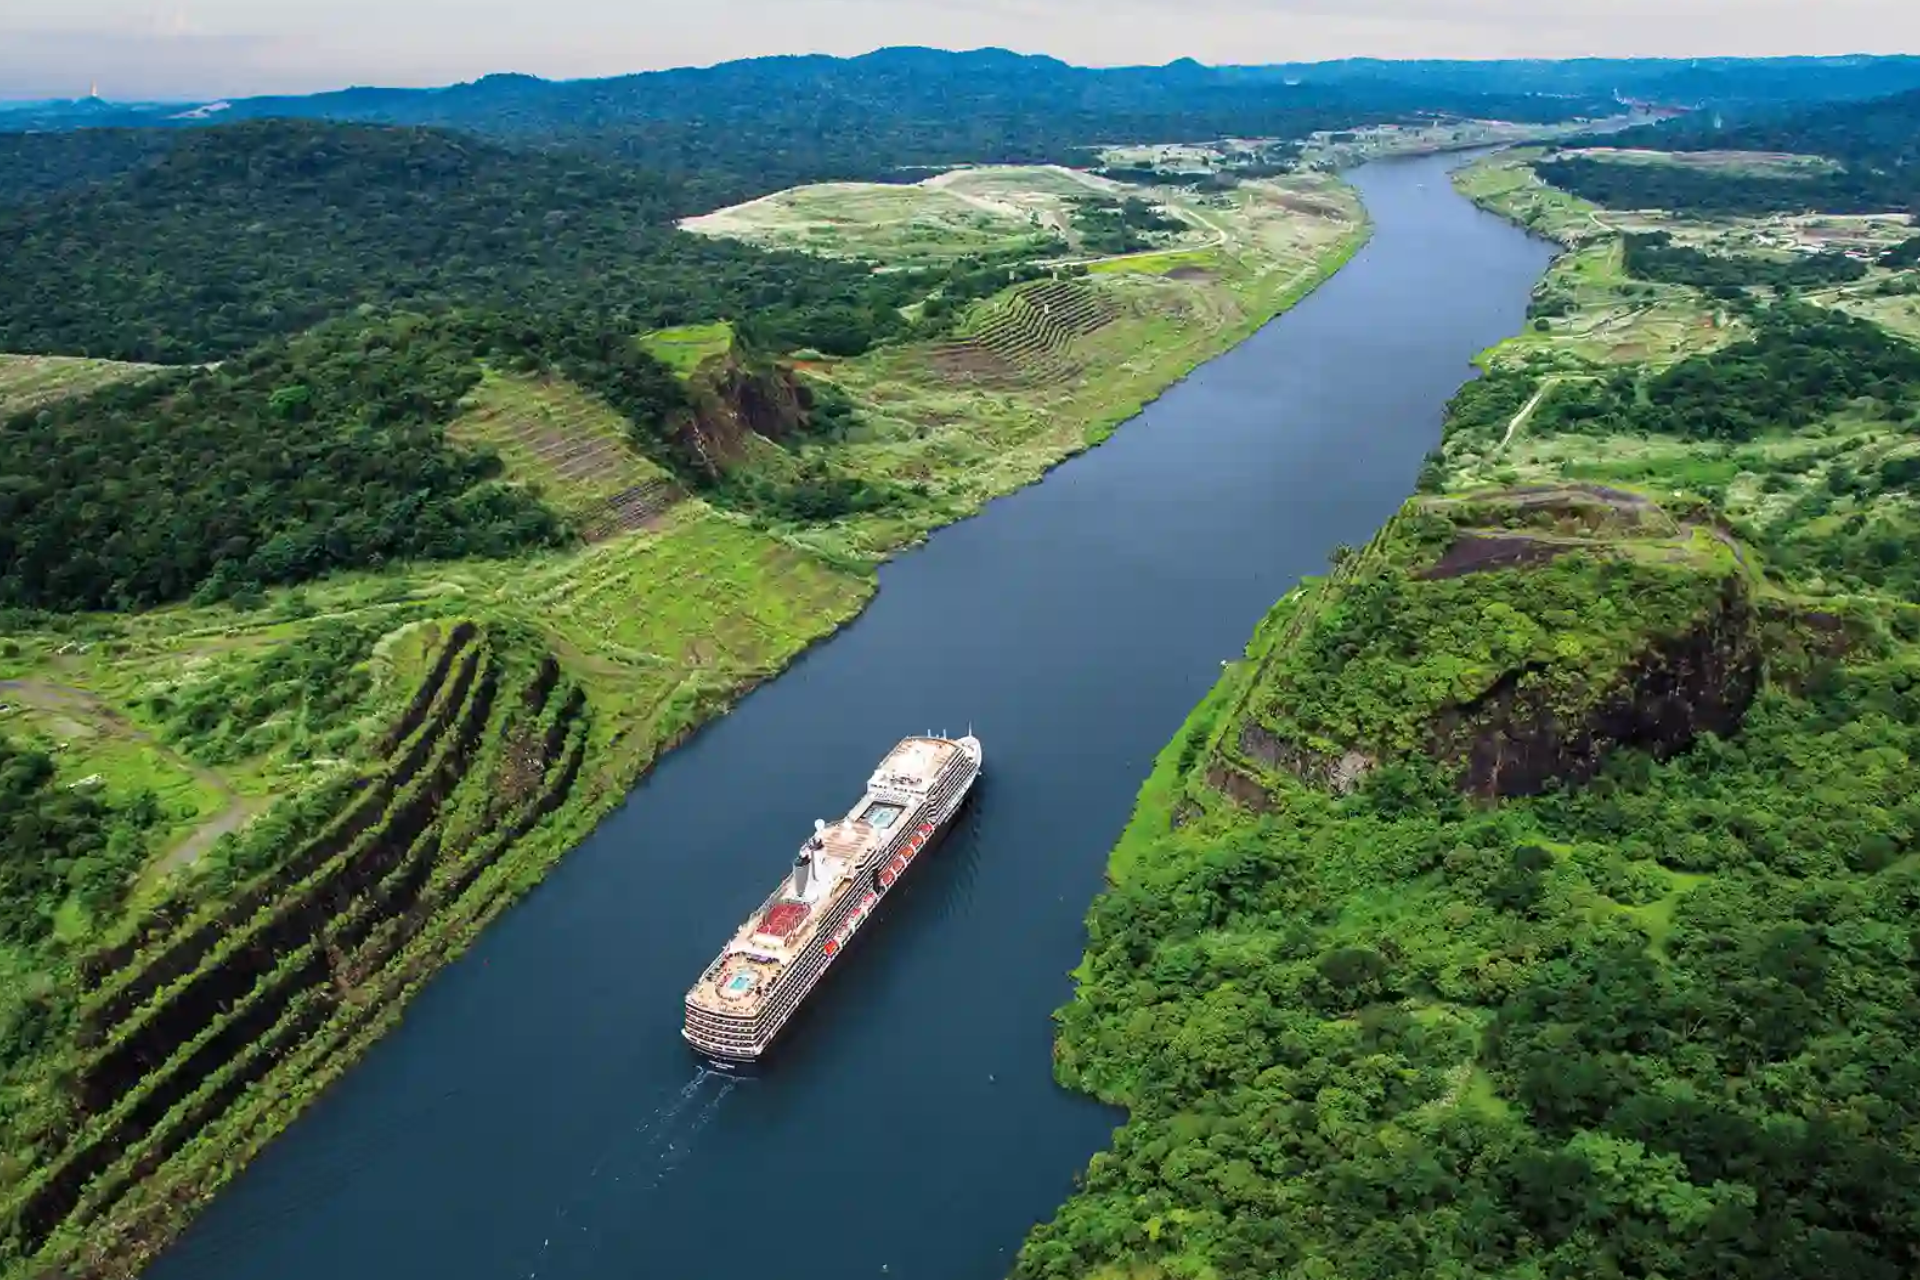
538 1114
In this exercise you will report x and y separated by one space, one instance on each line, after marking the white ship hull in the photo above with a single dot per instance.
746 1036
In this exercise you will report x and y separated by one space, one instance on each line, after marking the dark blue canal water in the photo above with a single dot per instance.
538 1116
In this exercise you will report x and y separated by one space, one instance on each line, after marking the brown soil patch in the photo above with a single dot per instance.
1487 553
1559 497
1629 351
1239 788
1613 497
970 363
639 507
1303 204
1195 275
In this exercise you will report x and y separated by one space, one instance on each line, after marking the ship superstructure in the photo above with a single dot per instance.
757 982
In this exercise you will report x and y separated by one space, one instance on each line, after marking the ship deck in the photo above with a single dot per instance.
915 762
780 928
742 977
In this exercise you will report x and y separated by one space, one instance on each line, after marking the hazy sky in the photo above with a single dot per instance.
204 48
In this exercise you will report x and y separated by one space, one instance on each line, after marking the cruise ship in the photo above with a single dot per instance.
759 979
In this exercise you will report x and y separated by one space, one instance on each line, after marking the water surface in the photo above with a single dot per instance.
538 1115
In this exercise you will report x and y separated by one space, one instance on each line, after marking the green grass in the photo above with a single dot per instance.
907 225
1657 917
565 443
1158 263
28 382
1751 164
96 746
687 347
1596 313
1506 184
1896 312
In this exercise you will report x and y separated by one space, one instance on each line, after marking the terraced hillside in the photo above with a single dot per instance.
413 750
1027 335
197 1034
571 447
1048 367
360 769
28 382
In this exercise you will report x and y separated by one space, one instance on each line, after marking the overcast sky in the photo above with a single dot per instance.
207 48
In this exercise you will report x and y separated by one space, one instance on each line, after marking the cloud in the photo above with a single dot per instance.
64 64
203 48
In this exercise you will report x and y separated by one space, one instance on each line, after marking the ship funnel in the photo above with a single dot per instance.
802 874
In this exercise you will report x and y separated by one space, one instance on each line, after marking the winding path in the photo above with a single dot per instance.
1526 413
64 700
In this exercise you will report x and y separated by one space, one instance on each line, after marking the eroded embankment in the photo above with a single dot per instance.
201 1036
1466 636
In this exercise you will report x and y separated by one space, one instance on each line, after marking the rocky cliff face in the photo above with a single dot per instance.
731 400
1521 736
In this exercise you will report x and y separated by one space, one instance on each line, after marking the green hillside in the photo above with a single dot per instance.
246 232
1536 896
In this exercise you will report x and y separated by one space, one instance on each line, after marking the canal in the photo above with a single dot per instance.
538 1116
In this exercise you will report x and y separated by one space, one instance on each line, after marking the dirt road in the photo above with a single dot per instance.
76 709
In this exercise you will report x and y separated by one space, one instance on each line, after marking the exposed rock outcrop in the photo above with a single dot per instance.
1339 774
732 399
1528 732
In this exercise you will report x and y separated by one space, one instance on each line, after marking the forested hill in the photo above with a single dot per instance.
36 165
1733 86
745 128
1877 144
239 233
1882 136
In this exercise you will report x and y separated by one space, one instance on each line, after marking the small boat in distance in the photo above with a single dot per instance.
841 873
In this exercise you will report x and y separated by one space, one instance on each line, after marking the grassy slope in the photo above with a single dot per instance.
660 628
990 210
686 347
1206 1170
1757 164
1759 484
903 224
931 417
1611 318
28 382
562 441
1657 322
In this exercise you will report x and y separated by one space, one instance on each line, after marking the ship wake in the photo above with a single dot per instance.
637 1159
